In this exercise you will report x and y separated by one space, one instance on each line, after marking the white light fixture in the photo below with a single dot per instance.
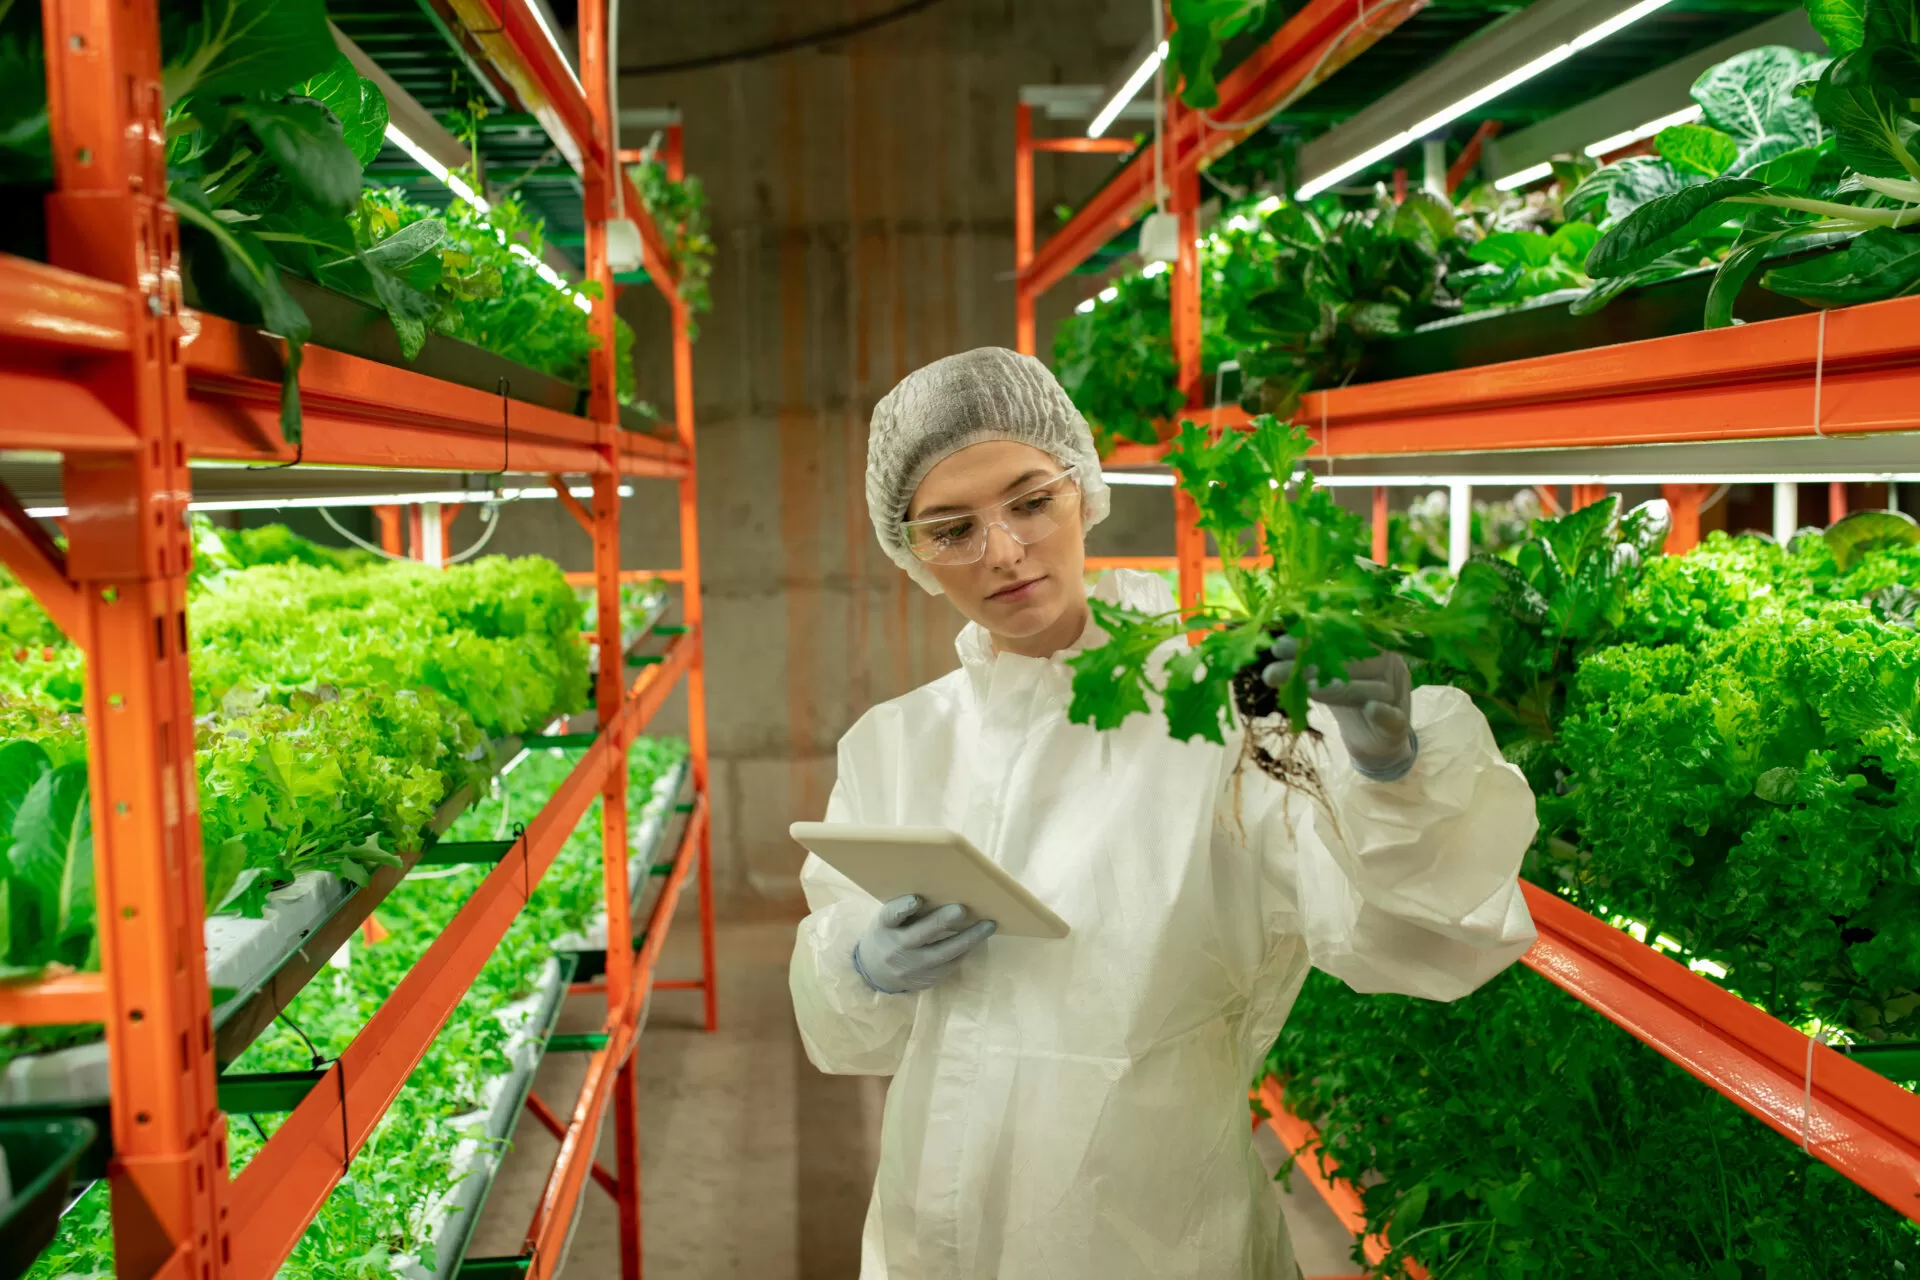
365 500
441 173
1532 173
1153 269
1110 112
1528 479
1109 293
1147 479
1650 129
1479 97
540 16
452 182
1086 307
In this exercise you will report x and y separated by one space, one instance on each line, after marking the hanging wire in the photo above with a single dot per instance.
489 515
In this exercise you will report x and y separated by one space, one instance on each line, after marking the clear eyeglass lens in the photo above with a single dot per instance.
1028 518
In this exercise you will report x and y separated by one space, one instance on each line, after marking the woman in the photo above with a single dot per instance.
1077 1109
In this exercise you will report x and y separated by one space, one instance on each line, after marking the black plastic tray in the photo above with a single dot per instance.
41 1157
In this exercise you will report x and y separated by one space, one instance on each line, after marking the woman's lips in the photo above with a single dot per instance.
1018 591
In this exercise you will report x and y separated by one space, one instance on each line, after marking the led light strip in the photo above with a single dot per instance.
1118 103
452 182
1606 146
443 496
1447 115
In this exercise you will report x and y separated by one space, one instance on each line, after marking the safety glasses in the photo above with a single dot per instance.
1029 516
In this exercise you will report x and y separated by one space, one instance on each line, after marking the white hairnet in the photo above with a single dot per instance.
952 404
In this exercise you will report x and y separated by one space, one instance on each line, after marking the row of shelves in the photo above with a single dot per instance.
1799 391
106 368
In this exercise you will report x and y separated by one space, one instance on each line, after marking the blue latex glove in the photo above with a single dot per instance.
1373 706
904 950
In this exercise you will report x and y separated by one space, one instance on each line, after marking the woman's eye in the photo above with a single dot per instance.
953 532
1037 503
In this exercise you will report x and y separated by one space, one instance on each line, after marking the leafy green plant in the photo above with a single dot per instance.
1518 1134
381 1210
1523 265
679 209
1310 580
1793 152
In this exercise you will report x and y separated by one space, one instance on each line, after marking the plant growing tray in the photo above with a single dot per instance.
41 1157
342 323
264 962
644 837
1547 326
478 1158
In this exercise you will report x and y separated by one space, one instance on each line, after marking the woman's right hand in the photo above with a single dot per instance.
906 950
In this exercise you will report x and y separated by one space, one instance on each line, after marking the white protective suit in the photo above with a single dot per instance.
1077 1109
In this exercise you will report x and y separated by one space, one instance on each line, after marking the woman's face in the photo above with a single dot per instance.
1028 597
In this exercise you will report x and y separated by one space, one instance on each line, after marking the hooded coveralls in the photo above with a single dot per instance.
1077 1109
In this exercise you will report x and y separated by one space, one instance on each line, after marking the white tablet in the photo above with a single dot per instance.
939 865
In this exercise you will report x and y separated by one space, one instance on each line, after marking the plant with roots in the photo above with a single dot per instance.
1295 564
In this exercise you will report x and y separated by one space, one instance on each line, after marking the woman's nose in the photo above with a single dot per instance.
1002 547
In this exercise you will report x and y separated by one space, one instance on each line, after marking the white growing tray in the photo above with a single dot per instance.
643 839
477 1158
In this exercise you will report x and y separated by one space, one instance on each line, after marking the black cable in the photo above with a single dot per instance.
859 26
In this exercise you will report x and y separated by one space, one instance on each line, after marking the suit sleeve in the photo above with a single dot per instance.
1408 886
848 1027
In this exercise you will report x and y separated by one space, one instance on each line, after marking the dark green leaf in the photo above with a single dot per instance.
1751 97
1697 148
1872 127
1892 23
357 104
1732 277
52 852
1881 263
1853 537
248 896
1615 190
242 46
22 763
1841 23
304 141
1778 786
1664 224
1898 68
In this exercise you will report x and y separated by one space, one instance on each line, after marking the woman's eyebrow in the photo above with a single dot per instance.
1020 481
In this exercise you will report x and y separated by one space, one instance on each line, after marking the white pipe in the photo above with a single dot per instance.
432 552
1786 511
1459 524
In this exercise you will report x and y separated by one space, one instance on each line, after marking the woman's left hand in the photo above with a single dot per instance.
1373 705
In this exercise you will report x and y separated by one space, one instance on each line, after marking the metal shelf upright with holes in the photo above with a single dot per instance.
102 364
1725 400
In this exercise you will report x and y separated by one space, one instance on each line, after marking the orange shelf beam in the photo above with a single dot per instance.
1315 43
1760 381
1861 1123
60 311
77 997
1318 1167
277 1195
363 413
559 1202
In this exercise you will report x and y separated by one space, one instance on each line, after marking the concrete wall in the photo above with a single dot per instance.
862 200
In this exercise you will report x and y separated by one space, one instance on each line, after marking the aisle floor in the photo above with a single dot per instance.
756 1166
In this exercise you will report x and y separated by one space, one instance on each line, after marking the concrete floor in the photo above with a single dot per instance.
756 1166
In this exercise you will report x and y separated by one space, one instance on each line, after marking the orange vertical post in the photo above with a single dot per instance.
1189 542
1836 501
389 518
1683 504
449 512
690 604
129 552
416 540
1380 549
1023 336
610 689
1585 495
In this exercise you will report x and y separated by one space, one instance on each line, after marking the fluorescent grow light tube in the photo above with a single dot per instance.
1164 479
1479 97
446 177
1531 174
448 496
1650 129
1118 103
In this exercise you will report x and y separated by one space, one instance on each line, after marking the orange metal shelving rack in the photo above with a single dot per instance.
1849 372
100 362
